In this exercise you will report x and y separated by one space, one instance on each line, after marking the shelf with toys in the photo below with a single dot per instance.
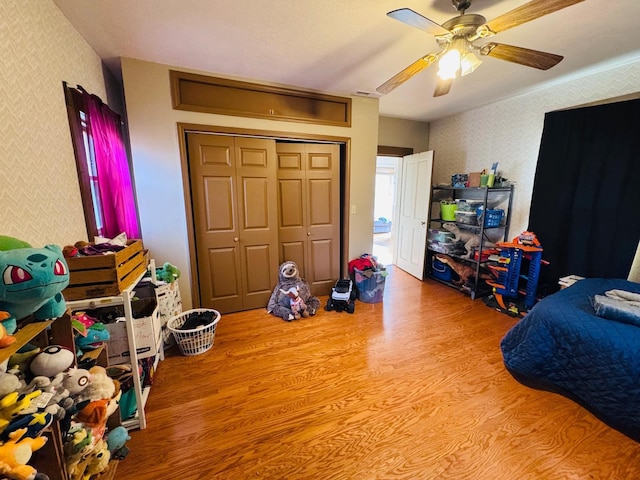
130 340
56 408
464 224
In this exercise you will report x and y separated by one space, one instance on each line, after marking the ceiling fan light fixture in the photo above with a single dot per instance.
449 64
468 63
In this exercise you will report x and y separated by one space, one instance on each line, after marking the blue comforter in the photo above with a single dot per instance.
561 345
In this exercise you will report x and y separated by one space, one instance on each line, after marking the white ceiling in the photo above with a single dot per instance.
348 46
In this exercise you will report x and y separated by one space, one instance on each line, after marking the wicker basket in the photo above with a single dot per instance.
195 341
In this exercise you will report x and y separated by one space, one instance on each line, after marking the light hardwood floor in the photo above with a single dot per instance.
411 388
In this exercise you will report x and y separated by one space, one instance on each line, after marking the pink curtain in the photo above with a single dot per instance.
114 178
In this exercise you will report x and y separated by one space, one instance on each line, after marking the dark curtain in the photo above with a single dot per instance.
585 207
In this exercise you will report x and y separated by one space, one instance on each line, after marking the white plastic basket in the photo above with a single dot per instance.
198 340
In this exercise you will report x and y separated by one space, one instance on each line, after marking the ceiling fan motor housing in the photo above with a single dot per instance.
461 5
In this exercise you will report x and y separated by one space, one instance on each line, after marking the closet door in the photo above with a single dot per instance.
234 212
309 211
257 219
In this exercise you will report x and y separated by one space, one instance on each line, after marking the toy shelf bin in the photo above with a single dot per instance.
194 341
370 285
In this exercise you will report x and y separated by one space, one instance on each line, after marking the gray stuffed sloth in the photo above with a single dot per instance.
279 304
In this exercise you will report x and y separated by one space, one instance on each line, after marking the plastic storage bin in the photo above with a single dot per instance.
468 218
370 285
193 341
492 218
449 246
440 270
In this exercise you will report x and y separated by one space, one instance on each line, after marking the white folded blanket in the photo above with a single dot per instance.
618 305
630 298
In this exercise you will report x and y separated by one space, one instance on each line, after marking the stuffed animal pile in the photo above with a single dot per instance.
39 386
291 298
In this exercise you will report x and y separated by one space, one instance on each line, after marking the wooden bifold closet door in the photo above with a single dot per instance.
257 203
234 201
309 211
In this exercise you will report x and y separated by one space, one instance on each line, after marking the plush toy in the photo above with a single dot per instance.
9 383
9 322
31 280
12 405
77 449
19 361
168 273
101 386
76 380
11 243
99 393
53 360
15 453
297 305
98 460
5 338
96 335
117 438
279 303
33 423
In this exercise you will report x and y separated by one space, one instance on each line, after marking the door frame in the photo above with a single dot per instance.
345 180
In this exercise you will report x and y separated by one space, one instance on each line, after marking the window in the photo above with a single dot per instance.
104 174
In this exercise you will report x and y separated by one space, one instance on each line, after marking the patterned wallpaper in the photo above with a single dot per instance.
39 193
509 132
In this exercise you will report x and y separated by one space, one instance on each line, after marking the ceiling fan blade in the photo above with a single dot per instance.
442 87
414 19
523 56
526 13
407 73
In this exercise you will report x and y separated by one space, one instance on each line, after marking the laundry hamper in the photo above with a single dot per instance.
193 341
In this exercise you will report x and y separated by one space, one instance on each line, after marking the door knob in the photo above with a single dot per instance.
308 234
235 239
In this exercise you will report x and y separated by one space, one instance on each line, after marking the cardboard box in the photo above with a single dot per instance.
474 179
146 330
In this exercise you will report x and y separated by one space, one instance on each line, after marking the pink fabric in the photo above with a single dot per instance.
114 178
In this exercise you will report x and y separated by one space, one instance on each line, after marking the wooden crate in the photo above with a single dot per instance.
105 275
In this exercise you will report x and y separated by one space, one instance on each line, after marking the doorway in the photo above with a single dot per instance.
384 208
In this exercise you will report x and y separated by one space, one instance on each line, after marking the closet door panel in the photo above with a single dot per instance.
321 250
292 199
258 281
294 252
323 207
224 281
213 192
258 229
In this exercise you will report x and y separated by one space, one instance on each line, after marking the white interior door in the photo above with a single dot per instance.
413 217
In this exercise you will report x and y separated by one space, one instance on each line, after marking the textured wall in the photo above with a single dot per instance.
509 132
39 194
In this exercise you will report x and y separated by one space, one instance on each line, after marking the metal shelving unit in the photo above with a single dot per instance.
498 196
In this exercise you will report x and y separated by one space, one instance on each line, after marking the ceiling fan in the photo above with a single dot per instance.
457 39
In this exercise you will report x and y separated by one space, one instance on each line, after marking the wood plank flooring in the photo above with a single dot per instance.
411 388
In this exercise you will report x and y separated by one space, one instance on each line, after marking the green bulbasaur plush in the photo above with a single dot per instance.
31 281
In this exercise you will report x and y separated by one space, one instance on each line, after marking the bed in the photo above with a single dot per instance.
561 345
